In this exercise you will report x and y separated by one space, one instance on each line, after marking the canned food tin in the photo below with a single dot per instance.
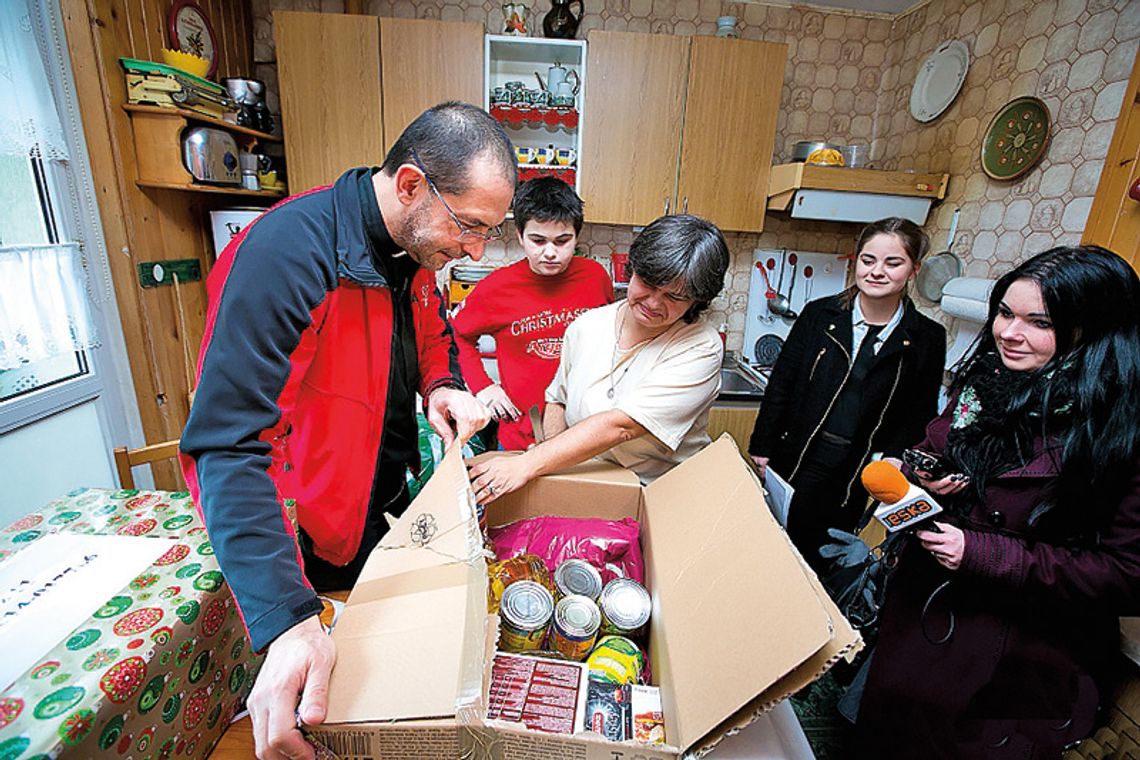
525 613
625 607
577 576
575 628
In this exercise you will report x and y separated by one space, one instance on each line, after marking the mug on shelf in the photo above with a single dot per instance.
500 96
544 155
524 154
565 156
562 101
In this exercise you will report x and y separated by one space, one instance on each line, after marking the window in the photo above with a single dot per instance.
48 201
27 215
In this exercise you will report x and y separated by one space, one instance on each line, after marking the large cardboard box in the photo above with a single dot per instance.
739 622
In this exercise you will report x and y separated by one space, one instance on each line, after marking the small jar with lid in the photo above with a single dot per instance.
726 26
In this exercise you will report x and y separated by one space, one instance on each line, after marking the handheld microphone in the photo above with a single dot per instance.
904 505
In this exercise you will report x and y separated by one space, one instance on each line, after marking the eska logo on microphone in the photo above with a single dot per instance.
912 510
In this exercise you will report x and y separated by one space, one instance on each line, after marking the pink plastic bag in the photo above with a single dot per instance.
612 547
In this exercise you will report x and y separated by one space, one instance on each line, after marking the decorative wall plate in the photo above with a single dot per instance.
191 32
1016 139
939 80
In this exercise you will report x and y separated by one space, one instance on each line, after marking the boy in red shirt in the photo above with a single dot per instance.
526 307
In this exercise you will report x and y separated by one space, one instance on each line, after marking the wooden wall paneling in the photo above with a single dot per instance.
88 37
146 22
328 66
423 63
1114 219
153 225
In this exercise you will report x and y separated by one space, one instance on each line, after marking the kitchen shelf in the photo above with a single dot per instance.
157 133
787 178
852 195
528 60
200 118
216 189
568 174
541 116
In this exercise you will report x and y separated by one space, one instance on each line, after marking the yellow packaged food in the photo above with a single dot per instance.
825 157
616 659
524 567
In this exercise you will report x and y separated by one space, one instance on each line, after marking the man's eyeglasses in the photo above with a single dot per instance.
466 233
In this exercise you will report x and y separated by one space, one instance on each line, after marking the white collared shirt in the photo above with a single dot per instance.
859 328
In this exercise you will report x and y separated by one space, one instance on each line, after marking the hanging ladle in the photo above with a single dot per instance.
778 303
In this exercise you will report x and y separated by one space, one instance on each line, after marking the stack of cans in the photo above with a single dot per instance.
525 611
577 576
625 606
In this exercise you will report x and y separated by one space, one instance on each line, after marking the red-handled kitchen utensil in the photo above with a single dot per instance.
770 293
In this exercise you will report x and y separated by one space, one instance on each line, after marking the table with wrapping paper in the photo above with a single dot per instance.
160 668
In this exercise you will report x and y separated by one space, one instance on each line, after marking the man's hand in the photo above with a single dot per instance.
453 412
761 464
296 668
497 400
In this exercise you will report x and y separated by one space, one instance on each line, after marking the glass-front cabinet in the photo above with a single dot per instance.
535 87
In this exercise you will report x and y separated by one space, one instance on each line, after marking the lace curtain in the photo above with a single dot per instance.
29 121
43 306
43 299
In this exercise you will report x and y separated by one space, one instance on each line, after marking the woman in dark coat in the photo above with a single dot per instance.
859 374
998 630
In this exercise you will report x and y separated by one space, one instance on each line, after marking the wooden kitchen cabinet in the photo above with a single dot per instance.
631 133
328 67
350 84
731 108
735 419
1114 219
423 63
680 124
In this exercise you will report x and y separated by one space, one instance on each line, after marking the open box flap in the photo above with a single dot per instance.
718 552
845 644
404 628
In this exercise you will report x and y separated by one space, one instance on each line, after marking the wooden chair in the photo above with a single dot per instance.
126 458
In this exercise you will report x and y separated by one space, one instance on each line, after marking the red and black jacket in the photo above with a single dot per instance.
304 375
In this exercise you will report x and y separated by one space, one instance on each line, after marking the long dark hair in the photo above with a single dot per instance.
1084 399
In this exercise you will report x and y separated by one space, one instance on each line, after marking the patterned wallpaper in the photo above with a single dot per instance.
1076 55
848 79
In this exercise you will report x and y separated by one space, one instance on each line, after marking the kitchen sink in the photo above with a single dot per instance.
739 381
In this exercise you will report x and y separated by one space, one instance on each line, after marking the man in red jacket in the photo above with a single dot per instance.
527 306
324 323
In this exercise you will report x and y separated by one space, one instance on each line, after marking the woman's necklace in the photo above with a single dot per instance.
613 358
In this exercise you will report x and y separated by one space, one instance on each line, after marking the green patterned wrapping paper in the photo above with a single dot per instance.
161 667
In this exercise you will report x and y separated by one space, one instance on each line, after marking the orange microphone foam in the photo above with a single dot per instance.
885 482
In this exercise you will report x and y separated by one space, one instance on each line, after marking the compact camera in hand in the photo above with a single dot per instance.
921 461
